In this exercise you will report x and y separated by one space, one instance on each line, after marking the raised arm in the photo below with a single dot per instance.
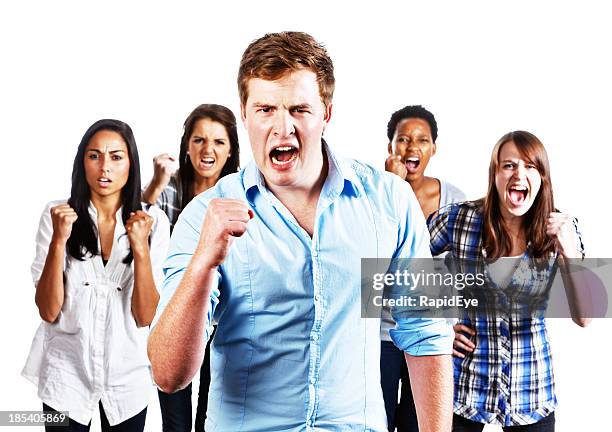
145 295
177 341
564 230
55 234
163 168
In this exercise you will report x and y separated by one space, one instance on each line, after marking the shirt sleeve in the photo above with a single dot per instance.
416 335
160 238
183 243
43 240
579 243
439 241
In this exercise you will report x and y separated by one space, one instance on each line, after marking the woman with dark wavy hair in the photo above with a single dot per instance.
209 151
516 238
96 272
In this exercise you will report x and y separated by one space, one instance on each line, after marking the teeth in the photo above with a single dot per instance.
208 160
277 162
284 148
519 188
413 159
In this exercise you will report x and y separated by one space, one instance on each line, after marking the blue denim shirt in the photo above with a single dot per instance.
291 351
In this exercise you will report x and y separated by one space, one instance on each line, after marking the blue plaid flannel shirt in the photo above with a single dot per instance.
508 379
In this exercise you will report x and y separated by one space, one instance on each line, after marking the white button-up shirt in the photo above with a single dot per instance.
94 351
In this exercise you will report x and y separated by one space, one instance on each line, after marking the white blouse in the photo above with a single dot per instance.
94 351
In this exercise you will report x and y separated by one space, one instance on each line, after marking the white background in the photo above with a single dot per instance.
483 68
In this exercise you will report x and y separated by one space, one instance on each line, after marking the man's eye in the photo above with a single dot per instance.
264 109
402 140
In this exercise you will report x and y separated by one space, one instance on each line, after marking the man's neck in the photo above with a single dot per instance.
305 194
301 201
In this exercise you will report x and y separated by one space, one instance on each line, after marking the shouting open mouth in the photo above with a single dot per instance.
284 156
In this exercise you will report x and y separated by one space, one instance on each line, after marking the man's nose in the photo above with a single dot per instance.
283 123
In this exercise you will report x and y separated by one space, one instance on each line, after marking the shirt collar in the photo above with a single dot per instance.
341 177
93 213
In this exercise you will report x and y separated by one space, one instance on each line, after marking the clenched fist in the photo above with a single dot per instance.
163 167
561 227
62 217
138 228
224 220
395 165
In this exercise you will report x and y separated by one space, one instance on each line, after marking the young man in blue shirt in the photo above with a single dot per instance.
272 254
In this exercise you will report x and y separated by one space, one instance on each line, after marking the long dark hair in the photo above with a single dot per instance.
84 237
185 175
496 240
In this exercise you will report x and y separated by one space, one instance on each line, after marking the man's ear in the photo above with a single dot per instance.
433 150
328 113
243 114
390 148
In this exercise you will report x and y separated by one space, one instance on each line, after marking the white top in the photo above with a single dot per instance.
502 270
448 194
94 351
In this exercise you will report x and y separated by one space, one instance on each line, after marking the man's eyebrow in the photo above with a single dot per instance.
262 104
302 105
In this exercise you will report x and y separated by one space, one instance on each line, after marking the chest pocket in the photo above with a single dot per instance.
76 310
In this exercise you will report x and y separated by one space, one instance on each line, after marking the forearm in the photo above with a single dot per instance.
50 288
145 295
431 379
153 191
177 342
578 293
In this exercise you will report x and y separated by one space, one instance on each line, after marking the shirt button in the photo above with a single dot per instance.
312 380
315 253
317 297
315 337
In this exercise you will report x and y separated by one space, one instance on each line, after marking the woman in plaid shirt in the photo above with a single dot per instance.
503 364
209 151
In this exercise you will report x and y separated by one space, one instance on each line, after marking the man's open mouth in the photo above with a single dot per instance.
518 194
283 155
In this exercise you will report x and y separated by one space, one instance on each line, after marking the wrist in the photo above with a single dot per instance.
58 243
140 251
202 263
